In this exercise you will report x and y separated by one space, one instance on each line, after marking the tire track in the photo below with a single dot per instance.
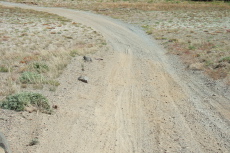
141 105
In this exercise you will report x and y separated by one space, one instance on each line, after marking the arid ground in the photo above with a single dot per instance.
139 97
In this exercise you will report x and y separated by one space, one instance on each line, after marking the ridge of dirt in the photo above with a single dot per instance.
138 99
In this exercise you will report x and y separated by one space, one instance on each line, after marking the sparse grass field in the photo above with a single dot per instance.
198 36
36 47
198 32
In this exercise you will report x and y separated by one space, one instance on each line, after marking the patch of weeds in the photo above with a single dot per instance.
40 67
173 40
207 46
147 29
145 26
19 101
52 88
63 19
191 47
34 142
225 59
104 43
149 32
150 1
3 69
161 38
73 53
31 77
68 37
208 63
53 83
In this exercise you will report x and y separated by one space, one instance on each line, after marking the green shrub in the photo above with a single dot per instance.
173 40
191 47
3 69
31 77
73 53
225 59
40 67
18 102
149 32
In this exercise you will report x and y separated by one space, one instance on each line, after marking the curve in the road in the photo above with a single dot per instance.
145 104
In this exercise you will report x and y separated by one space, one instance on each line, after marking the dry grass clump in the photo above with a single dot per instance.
36 47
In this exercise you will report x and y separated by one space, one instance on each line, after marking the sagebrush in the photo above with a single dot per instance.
20 101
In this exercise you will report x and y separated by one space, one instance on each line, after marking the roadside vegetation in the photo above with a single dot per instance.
27 100
35 49
200 38
198 32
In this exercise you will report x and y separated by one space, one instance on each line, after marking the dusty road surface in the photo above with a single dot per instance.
138 100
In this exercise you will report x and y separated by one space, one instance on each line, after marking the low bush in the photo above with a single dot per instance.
73 53
40 67
3 69
53 82
31 77
19 101
225 59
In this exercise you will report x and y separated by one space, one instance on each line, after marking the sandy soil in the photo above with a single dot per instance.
138 99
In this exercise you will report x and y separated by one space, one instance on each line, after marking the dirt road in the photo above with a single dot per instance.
138 99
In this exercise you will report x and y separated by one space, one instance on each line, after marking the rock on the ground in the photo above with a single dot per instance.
83 79
87 59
